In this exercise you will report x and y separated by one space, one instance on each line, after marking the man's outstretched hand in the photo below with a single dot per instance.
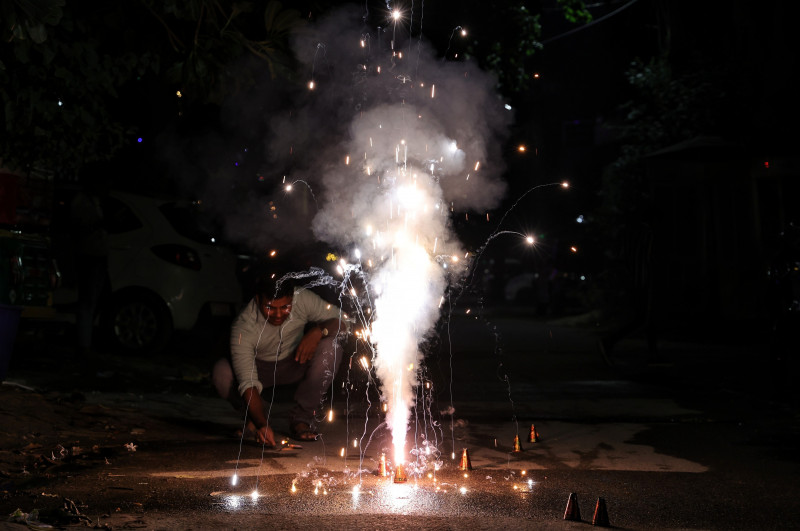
256 416
265 435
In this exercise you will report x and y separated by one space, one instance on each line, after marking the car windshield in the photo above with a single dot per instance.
190 222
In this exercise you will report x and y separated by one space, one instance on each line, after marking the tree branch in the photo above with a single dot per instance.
170 34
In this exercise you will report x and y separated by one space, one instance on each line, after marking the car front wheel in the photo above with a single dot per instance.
139 323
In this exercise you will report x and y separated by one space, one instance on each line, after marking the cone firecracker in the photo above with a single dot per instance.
465 462
573 512
400 473
600 517
534 436
517 446
382 466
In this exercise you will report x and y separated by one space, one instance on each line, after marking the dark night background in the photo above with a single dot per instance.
651 332
673 122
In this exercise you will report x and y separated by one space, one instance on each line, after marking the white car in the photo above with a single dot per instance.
165 272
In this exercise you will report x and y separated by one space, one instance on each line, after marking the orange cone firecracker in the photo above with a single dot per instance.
400 473
600 517
465 462
382 466
573 512
534 436
517 446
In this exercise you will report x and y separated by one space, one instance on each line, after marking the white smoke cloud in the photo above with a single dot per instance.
395 145
392 147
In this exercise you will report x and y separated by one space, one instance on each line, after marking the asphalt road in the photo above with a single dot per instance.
699 438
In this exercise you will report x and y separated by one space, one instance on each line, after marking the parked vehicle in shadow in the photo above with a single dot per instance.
166 272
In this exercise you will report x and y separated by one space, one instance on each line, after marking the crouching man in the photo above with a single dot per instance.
282 336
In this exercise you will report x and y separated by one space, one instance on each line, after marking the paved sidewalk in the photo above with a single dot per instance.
655 439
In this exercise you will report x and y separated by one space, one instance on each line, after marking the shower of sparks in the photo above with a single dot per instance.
411 255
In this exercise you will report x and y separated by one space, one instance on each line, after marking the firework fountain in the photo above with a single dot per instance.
399 142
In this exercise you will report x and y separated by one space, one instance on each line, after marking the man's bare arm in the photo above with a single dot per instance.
255 412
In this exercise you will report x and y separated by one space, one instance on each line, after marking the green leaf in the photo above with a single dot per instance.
575 11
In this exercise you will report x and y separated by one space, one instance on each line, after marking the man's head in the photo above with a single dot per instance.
274 297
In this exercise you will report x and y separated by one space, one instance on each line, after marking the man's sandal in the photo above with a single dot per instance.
300 431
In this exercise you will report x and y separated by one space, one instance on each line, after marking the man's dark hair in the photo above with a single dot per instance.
271 286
